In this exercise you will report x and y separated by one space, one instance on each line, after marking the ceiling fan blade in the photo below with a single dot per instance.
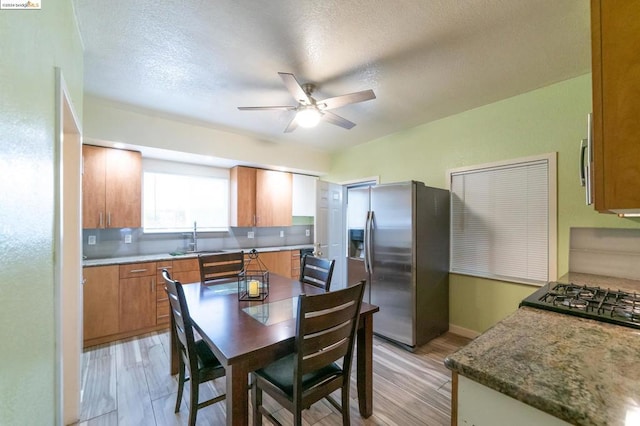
342 100
337 120
293 124
294 87
266 108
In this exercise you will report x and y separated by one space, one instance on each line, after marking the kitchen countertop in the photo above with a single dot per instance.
168 256
579 370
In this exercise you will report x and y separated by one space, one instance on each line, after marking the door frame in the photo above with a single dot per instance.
67 255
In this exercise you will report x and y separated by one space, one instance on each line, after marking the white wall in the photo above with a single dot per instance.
32 43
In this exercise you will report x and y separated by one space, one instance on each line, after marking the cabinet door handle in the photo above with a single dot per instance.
109 219
136 271
101 221
153 285
160 268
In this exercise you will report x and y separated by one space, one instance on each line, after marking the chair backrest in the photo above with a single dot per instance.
325 332
220 265
181 321
317 271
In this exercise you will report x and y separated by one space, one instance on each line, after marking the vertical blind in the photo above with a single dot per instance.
500 222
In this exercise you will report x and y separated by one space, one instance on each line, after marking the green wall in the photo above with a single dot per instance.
550 119
33 43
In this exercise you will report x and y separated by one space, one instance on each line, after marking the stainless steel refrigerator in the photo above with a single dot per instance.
398 240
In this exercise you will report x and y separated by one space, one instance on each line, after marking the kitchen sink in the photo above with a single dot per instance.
185 253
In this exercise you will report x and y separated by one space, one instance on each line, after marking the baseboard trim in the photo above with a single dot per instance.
464 332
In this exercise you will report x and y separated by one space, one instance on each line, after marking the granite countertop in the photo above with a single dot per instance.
168 256
579 370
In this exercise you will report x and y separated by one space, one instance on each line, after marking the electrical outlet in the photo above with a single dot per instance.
92 240
127 239
307 233
281 234
250 234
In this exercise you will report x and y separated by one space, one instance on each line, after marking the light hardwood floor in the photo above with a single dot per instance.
127 383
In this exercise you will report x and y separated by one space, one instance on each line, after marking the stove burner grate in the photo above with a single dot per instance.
597 303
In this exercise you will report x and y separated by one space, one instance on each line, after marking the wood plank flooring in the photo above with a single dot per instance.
127 383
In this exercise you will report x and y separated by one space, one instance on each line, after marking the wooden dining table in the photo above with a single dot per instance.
248 335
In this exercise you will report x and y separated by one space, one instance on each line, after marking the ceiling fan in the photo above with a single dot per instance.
309 111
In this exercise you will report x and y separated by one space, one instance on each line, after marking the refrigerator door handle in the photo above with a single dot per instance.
366 243
369 243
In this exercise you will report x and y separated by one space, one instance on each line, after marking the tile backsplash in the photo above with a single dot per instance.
111 243
612 252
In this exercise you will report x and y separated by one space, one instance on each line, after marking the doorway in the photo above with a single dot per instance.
68 255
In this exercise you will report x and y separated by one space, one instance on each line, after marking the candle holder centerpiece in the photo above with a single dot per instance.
253 280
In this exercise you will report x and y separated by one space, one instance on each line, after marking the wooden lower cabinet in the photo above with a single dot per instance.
137 296
100 302
186 270
295 264
137 303
126 300
162 301
121 301
183 270
278 262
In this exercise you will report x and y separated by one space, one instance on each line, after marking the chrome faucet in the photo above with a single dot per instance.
194 238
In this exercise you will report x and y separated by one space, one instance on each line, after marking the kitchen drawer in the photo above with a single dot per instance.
163 312
165 264
184 265
133 270
161 294
187 277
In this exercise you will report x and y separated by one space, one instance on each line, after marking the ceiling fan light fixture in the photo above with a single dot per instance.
308 117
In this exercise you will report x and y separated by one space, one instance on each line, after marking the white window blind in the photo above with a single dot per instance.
503 221
177 195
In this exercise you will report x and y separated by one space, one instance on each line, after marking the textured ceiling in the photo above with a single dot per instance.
425 59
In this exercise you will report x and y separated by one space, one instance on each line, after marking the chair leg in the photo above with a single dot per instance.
180 385
346 412
256 401
193 400
297 416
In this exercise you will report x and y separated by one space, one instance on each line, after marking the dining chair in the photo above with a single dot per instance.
220 265
325 333
317 271
196 356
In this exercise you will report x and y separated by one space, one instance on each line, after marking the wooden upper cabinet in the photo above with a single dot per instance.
93 187
243 196
273 198
124 189
616 101
260 197
111 188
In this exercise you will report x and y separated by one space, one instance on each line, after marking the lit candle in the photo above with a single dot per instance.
253 288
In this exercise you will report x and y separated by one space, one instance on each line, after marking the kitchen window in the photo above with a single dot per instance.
176 195
503 220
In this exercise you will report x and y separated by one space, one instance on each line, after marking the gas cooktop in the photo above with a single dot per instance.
612 306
